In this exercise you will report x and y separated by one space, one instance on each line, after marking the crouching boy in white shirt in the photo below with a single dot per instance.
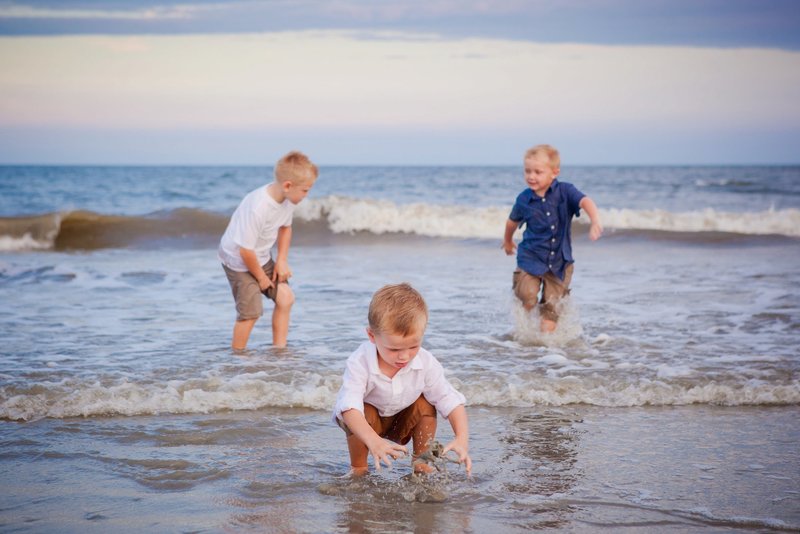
392 388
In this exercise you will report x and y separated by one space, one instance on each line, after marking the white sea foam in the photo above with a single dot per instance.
26 242
348 215
250 391
778 222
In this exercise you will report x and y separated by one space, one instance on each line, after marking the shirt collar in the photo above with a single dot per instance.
372 361
550 189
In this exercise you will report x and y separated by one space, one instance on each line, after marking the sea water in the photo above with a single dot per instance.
115 371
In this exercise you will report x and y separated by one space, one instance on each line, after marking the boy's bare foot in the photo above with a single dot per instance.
358 471
422 468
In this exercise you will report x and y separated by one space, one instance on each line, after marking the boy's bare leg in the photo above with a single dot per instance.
358 456
241 333
280 315
547 326
422 436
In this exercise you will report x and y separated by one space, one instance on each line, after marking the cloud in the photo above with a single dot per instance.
358 89
14 11
730 23
333 77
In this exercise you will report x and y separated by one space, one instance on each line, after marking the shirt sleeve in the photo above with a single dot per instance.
574 197
438 390
354 387
517 212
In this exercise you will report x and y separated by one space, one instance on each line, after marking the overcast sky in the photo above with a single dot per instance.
400 82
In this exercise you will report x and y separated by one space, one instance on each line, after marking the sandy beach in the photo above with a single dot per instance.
574 469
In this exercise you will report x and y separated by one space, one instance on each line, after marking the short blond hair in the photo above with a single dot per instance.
550 151
297 168
397 309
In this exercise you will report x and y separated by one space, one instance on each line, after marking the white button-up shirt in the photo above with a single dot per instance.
364 382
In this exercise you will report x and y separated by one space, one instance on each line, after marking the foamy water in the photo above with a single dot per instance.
113 340
116 376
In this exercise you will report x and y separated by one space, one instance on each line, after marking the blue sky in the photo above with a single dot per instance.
414 82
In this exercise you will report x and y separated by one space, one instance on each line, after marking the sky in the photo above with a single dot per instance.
436 82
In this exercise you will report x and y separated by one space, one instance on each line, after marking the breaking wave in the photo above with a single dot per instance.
86 230
250 391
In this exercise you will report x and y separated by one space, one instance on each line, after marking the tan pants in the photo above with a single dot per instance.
247 294
526 288
400 426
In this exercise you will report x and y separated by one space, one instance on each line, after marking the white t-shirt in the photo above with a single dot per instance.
254 225
364 382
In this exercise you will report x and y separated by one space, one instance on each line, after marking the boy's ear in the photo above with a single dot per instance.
370 334
286 185
556 171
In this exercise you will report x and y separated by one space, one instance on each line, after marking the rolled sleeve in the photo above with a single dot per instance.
354 387
574 197
440 392
518 209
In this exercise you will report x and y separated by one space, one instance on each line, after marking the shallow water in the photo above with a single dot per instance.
578 469
666 401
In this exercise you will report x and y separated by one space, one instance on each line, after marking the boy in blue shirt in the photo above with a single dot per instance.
544 257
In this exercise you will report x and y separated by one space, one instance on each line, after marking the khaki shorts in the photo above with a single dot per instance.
247 294
526 287
400 426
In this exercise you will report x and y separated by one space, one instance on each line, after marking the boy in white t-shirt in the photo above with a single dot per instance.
263 218
392 388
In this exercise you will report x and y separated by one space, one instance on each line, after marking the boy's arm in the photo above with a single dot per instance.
381 450
508 238
458 420
251 261
282 272
596 229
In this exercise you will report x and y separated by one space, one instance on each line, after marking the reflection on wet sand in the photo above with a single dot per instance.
375 516
542 454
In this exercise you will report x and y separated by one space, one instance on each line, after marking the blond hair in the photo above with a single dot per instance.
295 167
397 309
550 151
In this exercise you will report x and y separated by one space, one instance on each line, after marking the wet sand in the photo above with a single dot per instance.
568 469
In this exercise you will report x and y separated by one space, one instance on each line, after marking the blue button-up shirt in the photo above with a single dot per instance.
547 240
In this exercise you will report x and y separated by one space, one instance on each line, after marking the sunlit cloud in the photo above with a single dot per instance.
162 12
336 77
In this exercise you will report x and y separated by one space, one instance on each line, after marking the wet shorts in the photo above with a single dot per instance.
247 294
397 427
526 287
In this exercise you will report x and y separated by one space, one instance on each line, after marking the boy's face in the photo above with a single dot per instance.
539 174
296 192
395 351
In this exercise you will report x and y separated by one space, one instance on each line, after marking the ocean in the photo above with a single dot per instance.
666 401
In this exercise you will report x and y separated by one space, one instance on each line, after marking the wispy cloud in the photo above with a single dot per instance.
327 78
728 23
14 11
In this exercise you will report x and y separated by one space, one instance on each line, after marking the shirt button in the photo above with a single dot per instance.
542 199
553 240
552 227
551 265
552 252
548 214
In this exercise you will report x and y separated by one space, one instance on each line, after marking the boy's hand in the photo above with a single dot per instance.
461 448
264 284
509 247
282 272
385 451
595 231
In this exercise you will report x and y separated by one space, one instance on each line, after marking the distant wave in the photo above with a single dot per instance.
258 390
85 230
345 215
